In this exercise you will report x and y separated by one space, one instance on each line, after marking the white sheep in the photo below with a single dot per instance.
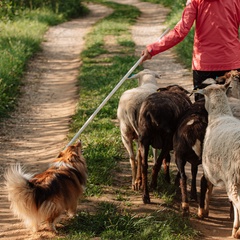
221 148
233 94
128 108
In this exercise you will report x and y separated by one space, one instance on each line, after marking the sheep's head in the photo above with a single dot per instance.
146 76
233 77
213 94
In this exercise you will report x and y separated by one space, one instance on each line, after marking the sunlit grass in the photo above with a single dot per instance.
110 222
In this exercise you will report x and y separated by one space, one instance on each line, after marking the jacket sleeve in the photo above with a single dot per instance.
179 32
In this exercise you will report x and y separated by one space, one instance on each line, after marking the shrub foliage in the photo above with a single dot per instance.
10 8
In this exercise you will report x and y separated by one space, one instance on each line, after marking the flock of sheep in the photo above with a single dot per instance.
204 132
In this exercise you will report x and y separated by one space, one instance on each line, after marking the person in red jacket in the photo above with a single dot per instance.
216 48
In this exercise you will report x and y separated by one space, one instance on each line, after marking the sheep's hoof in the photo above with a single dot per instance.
202 213
137 185
146 199
185 209
236 233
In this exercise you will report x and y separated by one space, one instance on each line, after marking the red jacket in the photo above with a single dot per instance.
216 41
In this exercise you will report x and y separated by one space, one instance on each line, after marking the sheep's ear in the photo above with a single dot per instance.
227 84
235 74
134 76
157 75
200 91
228 75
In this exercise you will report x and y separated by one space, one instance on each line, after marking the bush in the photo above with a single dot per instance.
69 8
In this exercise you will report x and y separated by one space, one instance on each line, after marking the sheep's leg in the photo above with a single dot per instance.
234 197
193 193
138 181
205 193
177 180
231 214
235 230
203 190
155 154
164 156
207 198
183 185
155 170
166 165
144 148
129 146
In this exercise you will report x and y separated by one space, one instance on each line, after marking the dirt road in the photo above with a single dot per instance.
49 96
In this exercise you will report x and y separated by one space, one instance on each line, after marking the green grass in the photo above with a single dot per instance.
110 222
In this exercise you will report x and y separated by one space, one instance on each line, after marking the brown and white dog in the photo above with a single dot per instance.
43 197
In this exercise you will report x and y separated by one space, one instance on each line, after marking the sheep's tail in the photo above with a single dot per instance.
20 193
133 117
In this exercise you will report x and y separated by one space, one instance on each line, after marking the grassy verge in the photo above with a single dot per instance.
20 39
109 54
110 223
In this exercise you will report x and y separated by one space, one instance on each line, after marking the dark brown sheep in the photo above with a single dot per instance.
157 122
187 146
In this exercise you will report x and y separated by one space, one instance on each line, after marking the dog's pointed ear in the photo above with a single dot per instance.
78 146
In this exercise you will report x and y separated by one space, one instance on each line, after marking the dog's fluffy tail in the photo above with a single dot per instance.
20 193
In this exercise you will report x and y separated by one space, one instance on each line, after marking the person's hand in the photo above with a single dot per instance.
146 55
